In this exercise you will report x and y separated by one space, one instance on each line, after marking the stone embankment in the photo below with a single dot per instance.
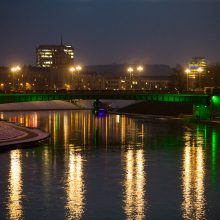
11 134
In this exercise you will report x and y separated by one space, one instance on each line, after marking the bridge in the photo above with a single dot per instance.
204 105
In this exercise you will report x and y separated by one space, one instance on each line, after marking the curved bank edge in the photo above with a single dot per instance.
32 135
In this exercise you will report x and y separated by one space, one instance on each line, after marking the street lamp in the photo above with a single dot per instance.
72 70
200 70
14 69
130 70
187 71
140 68
2 86
78 68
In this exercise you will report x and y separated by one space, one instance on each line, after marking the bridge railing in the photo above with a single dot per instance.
101 91
198 99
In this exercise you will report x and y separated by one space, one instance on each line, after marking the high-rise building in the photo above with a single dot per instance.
54 55
197 64
195 73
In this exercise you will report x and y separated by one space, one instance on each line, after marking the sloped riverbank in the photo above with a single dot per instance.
11 134
159 108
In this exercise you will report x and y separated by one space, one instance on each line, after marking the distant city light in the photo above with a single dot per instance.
187 70
130 69
140 68
15 68
78 68
200 69
72 69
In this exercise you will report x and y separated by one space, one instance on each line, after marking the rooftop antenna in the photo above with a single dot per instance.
61 40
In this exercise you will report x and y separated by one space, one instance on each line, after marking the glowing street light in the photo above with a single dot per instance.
28 86
140 68
200 70
130 70
187 71
14 69
72 69
78 69
2 86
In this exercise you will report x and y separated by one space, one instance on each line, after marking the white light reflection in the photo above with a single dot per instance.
193 173
106 133
117 119
15 186
75 187
84 130
123 126
134 185
65 129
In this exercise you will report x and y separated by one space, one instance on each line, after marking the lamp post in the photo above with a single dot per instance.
72 70
199 70
78 69
2 86
187 71
140 69
14 69
130 71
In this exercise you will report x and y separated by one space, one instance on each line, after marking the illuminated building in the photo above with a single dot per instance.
54 55
197 63
195 72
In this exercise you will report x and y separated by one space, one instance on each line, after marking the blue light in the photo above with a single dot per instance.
99 112
194 67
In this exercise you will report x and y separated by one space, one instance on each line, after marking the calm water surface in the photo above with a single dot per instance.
111 168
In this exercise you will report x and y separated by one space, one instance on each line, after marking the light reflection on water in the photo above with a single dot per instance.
77 137
15 183
134 184
193 174
75 189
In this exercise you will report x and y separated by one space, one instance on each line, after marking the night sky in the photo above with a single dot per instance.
112 31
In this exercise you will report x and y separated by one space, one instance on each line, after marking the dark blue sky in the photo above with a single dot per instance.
112 31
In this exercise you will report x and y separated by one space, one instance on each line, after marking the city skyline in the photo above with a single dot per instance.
105 32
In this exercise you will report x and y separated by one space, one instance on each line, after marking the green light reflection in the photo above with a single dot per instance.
214 158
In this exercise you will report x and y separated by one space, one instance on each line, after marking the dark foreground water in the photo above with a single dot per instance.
111 168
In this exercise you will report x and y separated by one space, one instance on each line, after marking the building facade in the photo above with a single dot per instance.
197 63
54 55
196 71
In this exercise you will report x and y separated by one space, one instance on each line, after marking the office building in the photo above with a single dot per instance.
54 55
197 64
195 73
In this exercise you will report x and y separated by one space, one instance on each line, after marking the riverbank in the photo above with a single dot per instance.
163 111
158 108
11 134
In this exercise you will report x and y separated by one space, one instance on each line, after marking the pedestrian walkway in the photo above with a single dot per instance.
11 134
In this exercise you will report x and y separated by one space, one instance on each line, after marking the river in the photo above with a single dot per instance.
114 167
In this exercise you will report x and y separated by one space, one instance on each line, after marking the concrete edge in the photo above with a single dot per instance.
40 135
